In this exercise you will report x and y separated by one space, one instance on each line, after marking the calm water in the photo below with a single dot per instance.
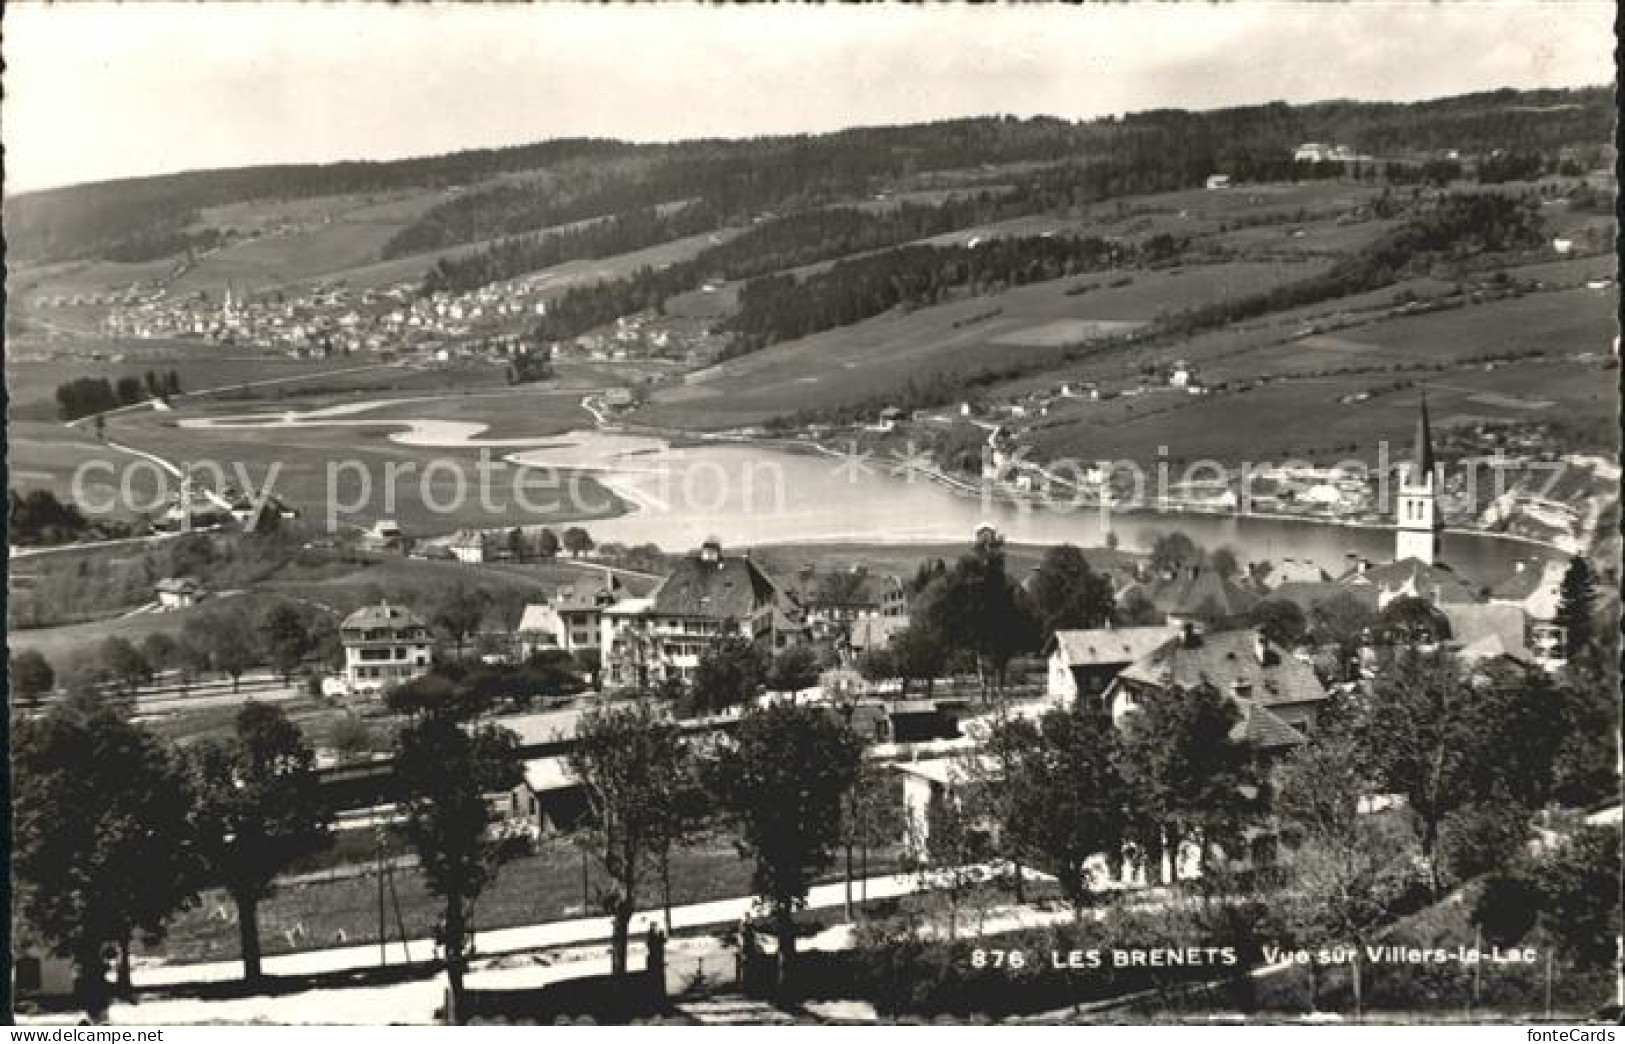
750 495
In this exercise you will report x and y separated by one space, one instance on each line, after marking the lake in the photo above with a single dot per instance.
747 494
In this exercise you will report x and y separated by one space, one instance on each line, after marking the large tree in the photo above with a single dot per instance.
31 675
124 664
1343 871
446 765
637 773
1192 780
286 639
784 778
1066 593
259 808
1447 740
459 612
976 606
1171 552
230 639
103 843
1060 800
730 673
1576 606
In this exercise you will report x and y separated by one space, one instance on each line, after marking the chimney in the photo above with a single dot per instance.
1261 647
1365 563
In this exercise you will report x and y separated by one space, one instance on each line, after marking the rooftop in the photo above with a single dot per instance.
1109 645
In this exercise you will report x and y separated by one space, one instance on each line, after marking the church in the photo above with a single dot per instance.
1485 623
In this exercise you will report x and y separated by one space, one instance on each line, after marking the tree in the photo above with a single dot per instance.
1067 594
31 675
124 664
1223 561
1281 621
445 766
975 606
1191 779
919 654
1137 610
230 639
1055 788
285 638
950 848
259 808
1579 885
516 544
1343 626
1344 872
1416 732
792 669
459 613
103 846
161 651
784 779
1171 552
1576 606
1408 620
637 773
547 544
350 738
577 541
730 673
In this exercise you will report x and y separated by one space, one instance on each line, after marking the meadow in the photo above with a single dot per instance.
963 336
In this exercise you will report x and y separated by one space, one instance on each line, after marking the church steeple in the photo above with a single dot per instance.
1422 452
1418 520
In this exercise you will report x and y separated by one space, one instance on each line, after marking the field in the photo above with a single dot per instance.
546 886
963 336
1308 421
356 474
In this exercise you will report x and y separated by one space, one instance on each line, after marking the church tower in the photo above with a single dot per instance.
1419 522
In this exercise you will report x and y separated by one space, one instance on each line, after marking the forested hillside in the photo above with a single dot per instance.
588 178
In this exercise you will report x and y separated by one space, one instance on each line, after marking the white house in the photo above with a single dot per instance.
384 645
179 592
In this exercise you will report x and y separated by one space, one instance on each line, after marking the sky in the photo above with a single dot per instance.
96 91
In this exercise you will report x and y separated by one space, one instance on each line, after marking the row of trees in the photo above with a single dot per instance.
115 830
1460 226
604 237
84 396
39 518
285 636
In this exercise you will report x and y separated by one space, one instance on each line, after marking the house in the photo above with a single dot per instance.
1409 578
540 629
1083 663
1197 594
1278 695
934 780
707 596
469 546
384 646
1218 181
581 613
548 800
1475 626
385 535
179 592
1290 570
833 602
875 632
